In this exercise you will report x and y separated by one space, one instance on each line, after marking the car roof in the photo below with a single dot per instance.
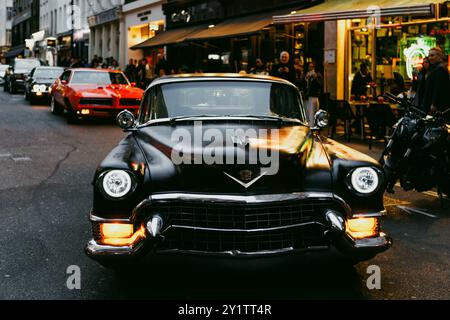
47 67
217 77
94 69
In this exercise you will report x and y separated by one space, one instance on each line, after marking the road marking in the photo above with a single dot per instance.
22 159
414 210
5 155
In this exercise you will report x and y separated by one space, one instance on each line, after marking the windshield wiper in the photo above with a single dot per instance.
274 118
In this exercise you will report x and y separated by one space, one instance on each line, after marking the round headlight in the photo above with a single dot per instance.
36 87
365 180
117 183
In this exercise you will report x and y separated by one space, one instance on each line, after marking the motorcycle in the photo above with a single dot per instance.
418 151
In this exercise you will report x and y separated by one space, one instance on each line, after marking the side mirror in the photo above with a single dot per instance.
64 82
321 120
133 84
126 120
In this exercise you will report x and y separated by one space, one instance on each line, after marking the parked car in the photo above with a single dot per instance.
17 72
38 83
84 93
226 165
3 68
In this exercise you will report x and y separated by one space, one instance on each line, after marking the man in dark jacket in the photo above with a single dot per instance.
285 69
360 82
437 85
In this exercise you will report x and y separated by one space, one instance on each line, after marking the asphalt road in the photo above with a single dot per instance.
46 167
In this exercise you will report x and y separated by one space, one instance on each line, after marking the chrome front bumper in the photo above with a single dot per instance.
338 239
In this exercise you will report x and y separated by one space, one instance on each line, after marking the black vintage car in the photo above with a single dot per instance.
226 165
16 73
38 83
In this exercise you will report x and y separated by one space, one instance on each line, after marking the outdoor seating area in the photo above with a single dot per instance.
369 121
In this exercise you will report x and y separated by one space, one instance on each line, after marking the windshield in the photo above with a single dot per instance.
99 78
27 64
222 98
48 73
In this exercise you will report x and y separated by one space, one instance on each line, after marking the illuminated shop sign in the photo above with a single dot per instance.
415 54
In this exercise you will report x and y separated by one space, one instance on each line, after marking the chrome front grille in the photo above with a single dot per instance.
244 242
96 101
241 216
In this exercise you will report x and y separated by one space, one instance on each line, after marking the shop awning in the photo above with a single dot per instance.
235 27
168 37
240 26
340 10
14 52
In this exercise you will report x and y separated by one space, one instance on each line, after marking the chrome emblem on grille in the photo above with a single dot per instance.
246 175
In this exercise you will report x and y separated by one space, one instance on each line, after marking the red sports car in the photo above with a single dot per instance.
84 93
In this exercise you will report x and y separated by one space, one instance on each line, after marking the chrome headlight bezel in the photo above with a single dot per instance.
129 189
352 185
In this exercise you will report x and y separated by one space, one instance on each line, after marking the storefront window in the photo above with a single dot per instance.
399 50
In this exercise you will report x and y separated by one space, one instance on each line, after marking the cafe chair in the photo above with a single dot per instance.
380 118
340 110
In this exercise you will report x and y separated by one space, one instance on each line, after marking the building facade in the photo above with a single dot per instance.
65 25
6 16
144 19
391 37
25 22
107 29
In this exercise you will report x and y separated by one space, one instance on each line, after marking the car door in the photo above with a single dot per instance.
60 87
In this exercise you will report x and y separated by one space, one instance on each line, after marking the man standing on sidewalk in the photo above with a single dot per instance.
437 86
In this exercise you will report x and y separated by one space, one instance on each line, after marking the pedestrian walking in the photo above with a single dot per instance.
131 71
314 83
285 69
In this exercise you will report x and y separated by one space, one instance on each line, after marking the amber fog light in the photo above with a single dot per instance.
362 227
116 234
116 230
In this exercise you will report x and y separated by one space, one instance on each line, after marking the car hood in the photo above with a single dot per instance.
110 91
293 162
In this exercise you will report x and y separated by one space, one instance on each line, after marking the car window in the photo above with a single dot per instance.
154 106
99 78
48 73
223 98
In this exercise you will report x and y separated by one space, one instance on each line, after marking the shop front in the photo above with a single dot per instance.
391 38
218 36
64 48
143 20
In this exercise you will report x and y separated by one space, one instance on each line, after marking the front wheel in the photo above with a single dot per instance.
12 89
55 108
